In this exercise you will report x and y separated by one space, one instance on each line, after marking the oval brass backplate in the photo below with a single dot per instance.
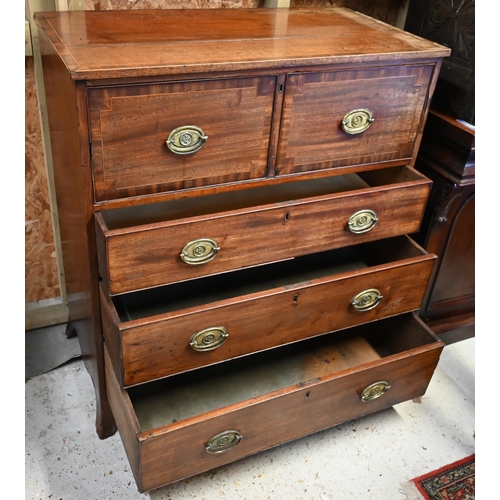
186 140
209 339
375 390
357 121
362 221
199 251
223 441
366 300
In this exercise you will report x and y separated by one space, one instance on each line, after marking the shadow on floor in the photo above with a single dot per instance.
47 348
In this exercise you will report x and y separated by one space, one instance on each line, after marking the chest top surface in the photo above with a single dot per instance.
135 43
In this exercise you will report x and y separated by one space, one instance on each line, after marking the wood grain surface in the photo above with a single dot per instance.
276 305
137 43
175 450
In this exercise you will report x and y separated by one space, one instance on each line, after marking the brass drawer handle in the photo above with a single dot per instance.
362 221
357 121
209 339
223 441
375 390
186 140
366 300
199 251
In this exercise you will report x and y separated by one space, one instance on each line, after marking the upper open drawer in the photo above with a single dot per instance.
159 137
151 245
351 117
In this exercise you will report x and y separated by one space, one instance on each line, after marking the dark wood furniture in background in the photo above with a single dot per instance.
452 24
447 156
234 192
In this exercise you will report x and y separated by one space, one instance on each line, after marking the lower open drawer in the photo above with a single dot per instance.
193 422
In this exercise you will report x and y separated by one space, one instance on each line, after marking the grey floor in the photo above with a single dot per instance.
374 457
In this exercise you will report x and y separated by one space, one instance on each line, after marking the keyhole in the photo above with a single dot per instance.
286 218
295 298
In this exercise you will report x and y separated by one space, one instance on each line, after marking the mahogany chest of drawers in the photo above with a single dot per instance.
234 192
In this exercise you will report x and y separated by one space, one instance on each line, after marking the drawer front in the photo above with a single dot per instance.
177 450
381 110
217 131
147 256
151 347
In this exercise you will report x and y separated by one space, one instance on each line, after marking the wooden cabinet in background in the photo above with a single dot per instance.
447 157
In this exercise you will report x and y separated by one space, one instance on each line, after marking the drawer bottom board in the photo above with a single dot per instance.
269 398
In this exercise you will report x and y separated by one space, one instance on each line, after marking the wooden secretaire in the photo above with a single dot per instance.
234 191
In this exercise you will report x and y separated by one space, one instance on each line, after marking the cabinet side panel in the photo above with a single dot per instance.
74 205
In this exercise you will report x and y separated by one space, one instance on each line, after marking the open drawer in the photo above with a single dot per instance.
150 245
190 423
162 331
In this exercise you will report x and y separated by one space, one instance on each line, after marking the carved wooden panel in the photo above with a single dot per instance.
452 24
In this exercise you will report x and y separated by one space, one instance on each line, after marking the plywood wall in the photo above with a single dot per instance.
41 272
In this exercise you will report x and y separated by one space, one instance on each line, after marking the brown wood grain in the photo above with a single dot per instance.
145 256
266 187
129 127
177 450
316 103
126 420
127 43
73 185
158 346
447 157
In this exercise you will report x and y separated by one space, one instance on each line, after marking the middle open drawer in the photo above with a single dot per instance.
150 245
162 331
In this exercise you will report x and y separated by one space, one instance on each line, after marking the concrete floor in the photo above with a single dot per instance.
374 457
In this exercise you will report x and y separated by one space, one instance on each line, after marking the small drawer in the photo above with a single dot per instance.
151 245
354 117
190 423
160 137
167 330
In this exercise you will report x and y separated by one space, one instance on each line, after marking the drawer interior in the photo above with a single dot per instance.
179 296
180 397
126 217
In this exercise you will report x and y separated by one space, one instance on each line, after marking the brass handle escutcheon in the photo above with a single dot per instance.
366 300
199 251
362 221
223 441
375 390
209 339
357 121
186 140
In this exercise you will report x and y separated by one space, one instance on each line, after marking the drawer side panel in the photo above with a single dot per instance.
125 418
